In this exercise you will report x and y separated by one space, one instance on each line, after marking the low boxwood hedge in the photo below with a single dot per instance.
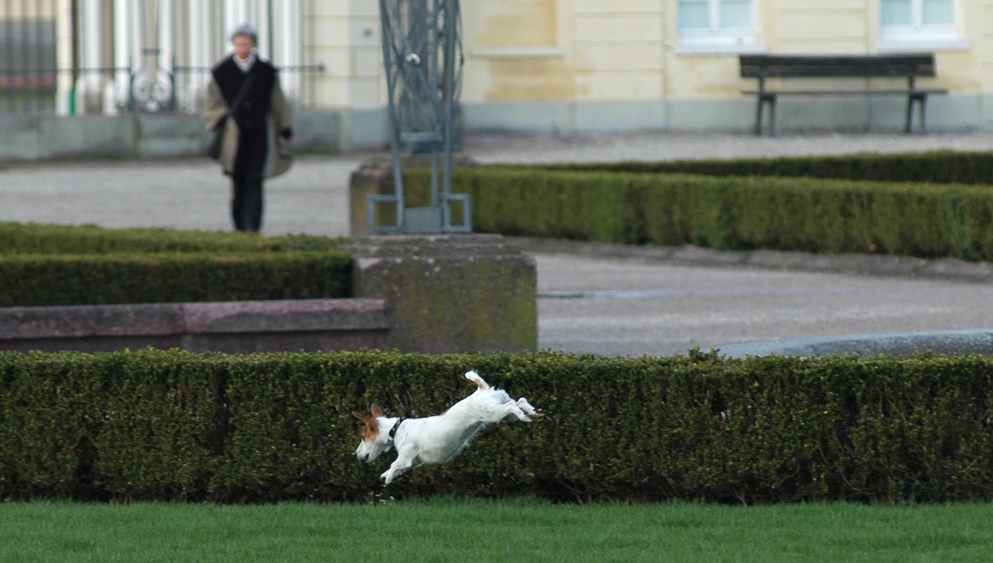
46 265
731 212
155 425
939 167
97 279
32 238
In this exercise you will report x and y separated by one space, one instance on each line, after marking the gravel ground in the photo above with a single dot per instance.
590 303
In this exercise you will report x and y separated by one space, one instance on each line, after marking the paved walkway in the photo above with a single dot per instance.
592 302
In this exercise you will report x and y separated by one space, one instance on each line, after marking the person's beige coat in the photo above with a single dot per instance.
279 158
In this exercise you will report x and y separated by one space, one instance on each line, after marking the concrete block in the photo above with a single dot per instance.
620 116
365 129
170 135
311 325
88 136
450 293
20 138
520 117
315 131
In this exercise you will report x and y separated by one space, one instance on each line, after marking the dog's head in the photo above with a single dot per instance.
374 441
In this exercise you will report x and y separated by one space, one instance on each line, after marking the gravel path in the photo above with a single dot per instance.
590 303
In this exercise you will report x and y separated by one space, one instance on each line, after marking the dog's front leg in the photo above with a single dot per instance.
404 461
525 406
511 411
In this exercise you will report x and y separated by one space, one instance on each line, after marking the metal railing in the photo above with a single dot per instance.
28 63
43 74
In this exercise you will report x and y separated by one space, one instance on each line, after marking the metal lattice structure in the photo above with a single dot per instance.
422 55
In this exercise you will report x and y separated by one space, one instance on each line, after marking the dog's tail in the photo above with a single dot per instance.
474 377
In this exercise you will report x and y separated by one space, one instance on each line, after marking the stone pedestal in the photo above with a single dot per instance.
450 293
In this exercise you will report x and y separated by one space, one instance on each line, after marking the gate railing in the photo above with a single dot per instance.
51 53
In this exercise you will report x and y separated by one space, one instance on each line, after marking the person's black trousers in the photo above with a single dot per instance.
246 203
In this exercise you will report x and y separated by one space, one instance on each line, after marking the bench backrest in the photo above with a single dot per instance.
825 66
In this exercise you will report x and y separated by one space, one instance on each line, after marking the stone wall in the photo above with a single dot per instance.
317 325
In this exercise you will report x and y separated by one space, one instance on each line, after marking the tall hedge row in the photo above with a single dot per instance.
796 214
177 426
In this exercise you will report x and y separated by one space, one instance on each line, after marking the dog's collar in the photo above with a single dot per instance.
393 431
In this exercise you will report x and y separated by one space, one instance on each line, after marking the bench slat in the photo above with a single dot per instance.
828 66
904 91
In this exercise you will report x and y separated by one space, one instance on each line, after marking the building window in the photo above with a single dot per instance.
716 26
918 23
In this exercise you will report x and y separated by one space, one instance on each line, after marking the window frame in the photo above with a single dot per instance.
715 39
918 35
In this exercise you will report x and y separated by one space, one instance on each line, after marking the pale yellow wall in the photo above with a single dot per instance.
346 39
984 29
961 70
27 9
616 50
816 26
516 50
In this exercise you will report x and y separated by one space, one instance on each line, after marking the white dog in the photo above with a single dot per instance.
437 439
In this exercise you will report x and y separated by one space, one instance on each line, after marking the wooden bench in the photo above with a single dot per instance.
911 66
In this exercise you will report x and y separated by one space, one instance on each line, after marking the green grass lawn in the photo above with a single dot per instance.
477 530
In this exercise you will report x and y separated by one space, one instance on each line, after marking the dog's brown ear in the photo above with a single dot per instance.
360 416
376 411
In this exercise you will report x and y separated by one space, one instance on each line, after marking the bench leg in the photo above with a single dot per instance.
920 98
772 117
758 115
923 114
766 99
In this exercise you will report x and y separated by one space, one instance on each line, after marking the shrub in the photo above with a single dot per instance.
729 212
93 279
31 238
44 265
172 425
939 167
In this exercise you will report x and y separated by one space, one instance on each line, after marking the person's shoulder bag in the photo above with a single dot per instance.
217 136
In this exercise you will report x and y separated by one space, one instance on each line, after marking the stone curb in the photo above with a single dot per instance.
232 327
902 345
688 255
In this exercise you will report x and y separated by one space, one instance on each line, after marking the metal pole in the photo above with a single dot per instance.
75 57
391 93
448 91
9 63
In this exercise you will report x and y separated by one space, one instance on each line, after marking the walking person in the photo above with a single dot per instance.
251 148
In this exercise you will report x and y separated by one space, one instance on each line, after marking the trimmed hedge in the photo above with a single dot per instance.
98 279
32 238
940 167
47 265
157 425
740 213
